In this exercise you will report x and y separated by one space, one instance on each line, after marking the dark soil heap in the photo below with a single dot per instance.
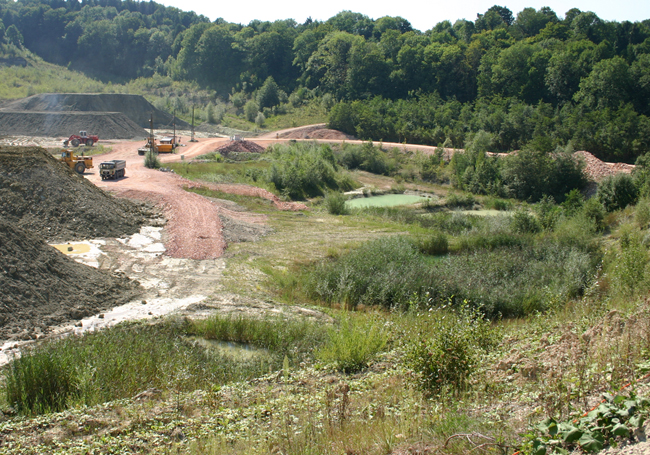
41 287
135 107
107 125
41 198
240 147
40 194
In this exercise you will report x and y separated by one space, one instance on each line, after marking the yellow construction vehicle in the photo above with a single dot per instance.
166 144
76 162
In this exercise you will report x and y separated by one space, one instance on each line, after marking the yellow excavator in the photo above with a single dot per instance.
76 162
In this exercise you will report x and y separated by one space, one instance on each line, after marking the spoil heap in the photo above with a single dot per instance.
239 147
109 115
40 194
596 169
40 198
41 287
135 107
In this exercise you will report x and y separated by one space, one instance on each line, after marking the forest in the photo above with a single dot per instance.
531 79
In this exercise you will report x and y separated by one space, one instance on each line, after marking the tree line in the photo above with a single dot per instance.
530 79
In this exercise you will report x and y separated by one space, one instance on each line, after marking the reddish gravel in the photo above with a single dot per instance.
597 170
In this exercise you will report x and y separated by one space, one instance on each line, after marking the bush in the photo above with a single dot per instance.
642 213
594 210
353 344
617 192
435 244
460 200
525 223
335 203
444 347
250 110
151 160
260 119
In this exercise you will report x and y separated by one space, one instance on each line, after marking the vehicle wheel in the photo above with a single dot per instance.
140 152
89 142
65 143
79 168
75 142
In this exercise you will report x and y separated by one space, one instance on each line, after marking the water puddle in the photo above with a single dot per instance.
237 351
387 200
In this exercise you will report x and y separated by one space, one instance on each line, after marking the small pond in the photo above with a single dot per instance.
239 351
387 200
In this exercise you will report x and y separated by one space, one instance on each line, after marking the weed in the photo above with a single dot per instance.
353 344
335 203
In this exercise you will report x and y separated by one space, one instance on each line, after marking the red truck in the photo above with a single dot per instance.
81 138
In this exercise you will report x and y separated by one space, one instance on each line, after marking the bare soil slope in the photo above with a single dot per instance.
41 287
40 194
135 107
107 125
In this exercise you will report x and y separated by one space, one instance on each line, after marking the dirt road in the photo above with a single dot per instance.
194 229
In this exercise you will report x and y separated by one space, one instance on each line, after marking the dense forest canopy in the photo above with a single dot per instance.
527 79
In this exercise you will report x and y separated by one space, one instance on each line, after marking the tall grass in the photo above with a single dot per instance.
295 338
508 281
353 344
121 361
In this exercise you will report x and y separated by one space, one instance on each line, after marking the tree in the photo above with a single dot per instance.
250 110
608 85
14 36
268 95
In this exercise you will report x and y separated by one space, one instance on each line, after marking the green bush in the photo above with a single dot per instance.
642 213
151 160
353 344
335 203
454 200
524 222
434 244
628 267
303 170
617 192
594 210
443 348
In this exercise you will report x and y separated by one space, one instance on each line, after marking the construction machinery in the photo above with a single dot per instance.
113 169
81 138
76 162
166 144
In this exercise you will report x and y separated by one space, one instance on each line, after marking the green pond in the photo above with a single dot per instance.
387 200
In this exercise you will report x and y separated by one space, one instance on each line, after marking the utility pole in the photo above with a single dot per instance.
151 141
193 140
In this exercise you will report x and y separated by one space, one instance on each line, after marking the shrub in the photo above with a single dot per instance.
628 267
260 119
642 213
525 223
460 200
250 110
547 213
443 348
151 160
434 244
353 345
595 211
335 203
617 192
